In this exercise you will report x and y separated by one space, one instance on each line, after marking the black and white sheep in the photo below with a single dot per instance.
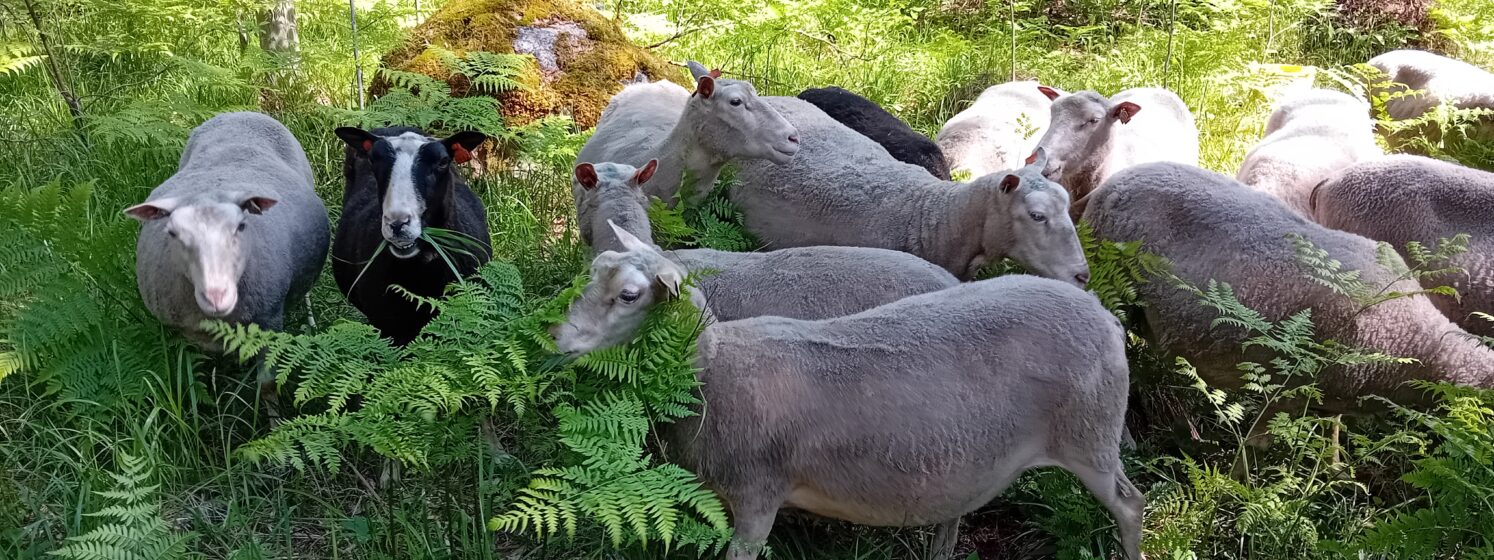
1213 228
698 133
844 189
1000 129
399 182
1399 199
237 234
871 120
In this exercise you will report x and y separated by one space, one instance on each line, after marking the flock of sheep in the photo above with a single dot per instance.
854 371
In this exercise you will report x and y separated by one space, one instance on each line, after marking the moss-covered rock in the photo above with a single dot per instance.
580 57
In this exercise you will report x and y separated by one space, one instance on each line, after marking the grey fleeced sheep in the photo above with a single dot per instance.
237 234
865 116
1091 138
1310 135
1399 199
696 132
999 130
611 191
916 412
630 274
1213 228
844 189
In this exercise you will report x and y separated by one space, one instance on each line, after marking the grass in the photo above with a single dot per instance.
145 91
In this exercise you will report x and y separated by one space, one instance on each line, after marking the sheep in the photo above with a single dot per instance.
1401 198
866 117
695 132
1441 79
631 274
1091 138
1213 228
915 412
843 189
611 191
237 234
398 183
1310 135
999 130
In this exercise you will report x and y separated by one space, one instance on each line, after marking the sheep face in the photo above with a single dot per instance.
612 191
734 123
1077 132
624 287
415 175
205 242
1037 225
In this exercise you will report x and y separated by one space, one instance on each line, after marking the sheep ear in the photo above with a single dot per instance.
643 175
1010 183
1038 159
697 69
1125 111
1050 92
257 204
586 174
671 277
705 86
629 241
359 140
153 210
462 143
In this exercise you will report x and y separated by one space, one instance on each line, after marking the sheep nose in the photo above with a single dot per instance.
794 138
398 222
218 297
1083 278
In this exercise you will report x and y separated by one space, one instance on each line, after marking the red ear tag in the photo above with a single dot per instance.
460 154
368 146
715 73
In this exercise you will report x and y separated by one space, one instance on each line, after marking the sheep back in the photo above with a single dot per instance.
871 120
998 131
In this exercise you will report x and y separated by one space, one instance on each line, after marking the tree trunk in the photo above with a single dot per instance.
278 38
54 71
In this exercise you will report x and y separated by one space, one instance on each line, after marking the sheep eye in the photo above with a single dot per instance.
628 296
172 233
1036 217
243 225
736 103
1095 120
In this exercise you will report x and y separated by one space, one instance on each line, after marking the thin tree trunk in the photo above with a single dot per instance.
278 37
54 70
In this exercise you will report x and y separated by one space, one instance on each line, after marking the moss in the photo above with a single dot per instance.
588 75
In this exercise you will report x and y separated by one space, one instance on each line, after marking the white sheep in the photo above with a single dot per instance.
1091 138
998 130
912 413
1213 228
1399 199
1310 135
237 234
698 132
630 275
1439 78
844 189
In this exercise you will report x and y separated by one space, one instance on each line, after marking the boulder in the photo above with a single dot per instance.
579 60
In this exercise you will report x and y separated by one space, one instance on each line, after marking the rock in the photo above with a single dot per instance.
581 58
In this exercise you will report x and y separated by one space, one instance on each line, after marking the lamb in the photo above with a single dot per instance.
1310 135
915 412
400 182
630 275
843 189
1213 228
696 132
1000 129
866 117
1401 198
1091 138
237 234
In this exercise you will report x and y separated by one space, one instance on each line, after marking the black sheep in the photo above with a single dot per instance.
862 115
399 182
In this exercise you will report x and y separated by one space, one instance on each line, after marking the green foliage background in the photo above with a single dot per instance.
119 440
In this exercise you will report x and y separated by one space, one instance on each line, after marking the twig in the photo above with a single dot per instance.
118 87
682 33
754 79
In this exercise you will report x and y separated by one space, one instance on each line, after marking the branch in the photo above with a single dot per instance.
682 33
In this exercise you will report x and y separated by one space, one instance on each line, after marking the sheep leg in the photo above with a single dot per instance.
945 538
751 521
1124 501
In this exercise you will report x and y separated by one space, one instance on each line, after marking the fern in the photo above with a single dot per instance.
133 528
488 72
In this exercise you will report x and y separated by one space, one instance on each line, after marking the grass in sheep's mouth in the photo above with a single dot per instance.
444 241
